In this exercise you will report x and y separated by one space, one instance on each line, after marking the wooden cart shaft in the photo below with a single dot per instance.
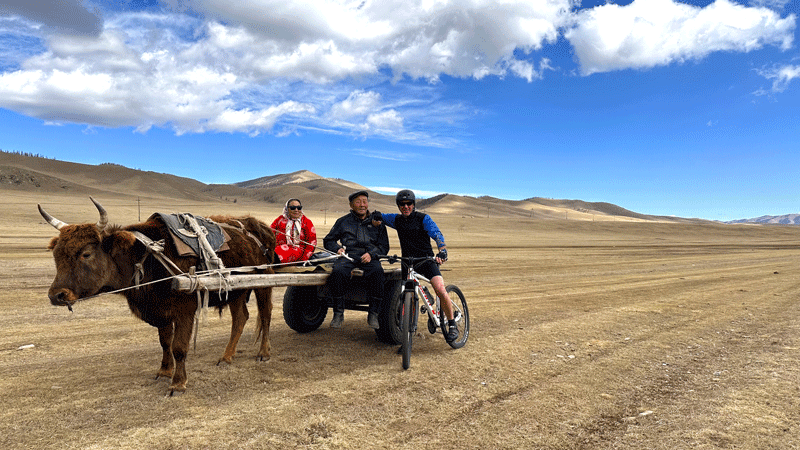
215 282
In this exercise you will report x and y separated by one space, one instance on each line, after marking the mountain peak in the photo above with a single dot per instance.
279 180
786 219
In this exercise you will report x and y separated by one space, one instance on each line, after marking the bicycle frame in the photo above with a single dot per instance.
430 302
408 314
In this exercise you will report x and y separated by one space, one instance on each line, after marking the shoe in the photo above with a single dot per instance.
338 318
372 320
452 332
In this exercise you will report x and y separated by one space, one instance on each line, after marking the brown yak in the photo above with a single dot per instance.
93 258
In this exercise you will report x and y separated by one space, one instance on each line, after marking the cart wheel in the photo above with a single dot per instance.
389 318
303 311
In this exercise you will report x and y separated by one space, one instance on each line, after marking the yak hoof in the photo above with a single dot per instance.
175 392
262 358
225 360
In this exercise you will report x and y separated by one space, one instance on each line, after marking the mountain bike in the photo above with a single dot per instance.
411 292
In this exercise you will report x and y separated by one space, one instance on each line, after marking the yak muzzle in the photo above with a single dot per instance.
62 297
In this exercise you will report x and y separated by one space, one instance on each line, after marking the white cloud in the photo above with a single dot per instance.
420 38
63 16
417 192
386 120
386 154
781 76
777 5
272 66
649 33
358 103
253 122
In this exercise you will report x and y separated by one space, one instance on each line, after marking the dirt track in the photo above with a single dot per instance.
584 335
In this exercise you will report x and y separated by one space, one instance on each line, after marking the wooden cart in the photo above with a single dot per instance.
306 300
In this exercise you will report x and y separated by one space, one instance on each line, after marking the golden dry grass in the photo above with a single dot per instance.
595 335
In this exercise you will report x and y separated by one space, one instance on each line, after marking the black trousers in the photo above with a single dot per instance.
340 277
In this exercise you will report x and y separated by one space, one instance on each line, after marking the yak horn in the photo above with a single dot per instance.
101 224
57 224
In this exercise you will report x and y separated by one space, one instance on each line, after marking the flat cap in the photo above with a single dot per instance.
356 194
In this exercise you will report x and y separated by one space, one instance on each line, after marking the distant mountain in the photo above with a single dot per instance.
299 177
786 219
30 173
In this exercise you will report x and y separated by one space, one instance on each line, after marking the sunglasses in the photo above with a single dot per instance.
293 208
406 203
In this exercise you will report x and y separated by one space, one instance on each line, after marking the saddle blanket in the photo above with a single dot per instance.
185 238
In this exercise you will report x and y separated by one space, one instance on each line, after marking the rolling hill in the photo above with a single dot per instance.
37 174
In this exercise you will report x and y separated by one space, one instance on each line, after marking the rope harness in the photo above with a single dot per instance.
210 260
207 255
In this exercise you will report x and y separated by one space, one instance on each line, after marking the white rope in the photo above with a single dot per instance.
194 277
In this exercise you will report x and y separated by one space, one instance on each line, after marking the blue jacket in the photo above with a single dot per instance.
415 233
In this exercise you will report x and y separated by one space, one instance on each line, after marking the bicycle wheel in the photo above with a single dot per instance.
461 315
409 311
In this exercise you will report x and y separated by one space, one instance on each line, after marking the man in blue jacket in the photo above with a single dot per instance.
415 231
355 235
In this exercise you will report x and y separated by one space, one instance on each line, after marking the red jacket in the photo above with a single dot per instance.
304 245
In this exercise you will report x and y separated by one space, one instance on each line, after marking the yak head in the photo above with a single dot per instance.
82 253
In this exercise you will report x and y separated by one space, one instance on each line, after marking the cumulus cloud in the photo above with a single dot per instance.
63 16
418 38
649 33
358 103
350 67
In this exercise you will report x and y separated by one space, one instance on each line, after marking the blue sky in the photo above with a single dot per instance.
661 107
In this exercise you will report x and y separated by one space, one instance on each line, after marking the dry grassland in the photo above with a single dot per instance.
594 335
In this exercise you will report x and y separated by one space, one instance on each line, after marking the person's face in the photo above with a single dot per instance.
406 208
297 211
360 205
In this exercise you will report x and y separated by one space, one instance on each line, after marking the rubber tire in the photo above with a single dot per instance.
389 319
408 313
303 311
459 304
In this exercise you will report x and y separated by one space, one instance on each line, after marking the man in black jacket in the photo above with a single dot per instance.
354 235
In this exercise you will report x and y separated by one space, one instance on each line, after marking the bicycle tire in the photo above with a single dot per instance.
459 306
409 311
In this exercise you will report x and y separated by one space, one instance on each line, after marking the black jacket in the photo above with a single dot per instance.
357 236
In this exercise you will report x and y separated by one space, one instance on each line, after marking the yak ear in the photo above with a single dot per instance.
52 243
122 240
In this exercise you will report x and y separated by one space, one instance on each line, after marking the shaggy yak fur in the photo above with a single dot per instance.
93 258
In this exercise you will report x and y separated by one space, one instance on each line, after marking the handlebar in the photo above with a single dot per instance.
408 260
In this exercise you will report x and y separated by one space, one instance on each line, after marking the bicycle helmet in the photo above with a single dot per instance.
405 196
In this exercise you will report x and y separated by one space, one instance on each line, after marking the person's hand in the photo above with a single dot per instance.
366 258
441 256
377 218
340 251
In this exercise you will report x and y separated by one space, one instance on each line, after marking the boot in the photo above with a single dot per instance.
372 315
338 312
